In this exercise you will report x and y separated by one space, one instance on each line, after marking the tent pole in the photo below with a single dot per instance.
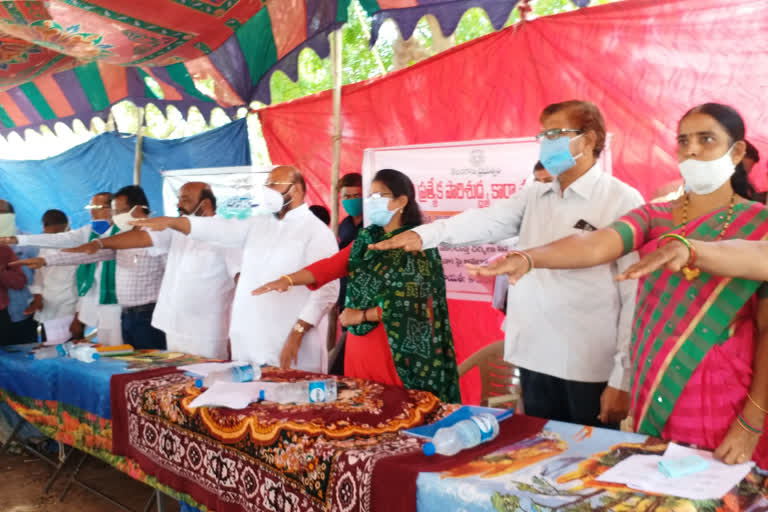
336 70
139 155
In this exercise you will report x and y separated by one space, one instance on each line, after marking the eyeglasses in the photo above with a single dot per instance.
555 133
273 183
97 207
377 195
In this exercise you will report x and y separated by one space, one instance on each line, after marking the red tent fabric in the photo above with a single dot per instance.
643 62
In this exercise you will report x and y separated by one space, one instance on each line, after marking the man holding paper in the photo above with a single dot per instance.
95 281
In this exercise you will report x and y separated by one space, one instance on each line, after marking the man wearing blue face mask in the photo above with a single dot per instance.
97 304
568 331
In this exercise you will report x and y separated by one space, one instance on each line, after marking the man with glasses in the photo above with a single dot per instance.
96 306
567 330
288 329
137 272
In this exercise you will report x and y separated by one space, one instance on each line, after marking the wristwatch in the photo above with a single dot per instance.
299 328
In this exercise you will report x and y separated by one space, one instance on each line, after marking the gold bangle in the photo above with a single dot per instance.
525 256
744 427
756 404
290 281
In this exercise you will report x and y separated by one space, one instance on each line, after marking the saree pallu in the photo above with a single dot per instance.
693 342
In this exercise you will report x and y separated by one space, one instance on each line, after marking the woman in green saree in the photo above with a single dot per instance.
396 310
700 342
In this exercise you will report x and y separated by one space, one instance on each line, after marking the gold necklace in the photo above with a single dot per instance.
692 273
727 220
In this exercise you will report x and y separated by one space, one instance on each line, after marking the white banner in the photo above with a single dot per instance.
237 189
452 177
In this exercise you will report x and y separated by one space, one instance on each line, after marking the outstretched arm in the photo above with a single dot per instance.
576 251
729 258
128 240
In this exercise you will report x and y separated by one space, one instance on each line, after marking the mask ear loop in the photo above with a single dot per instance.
576 157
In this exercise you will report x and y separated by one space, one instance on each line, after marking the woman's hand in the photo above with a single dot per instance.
738 446
673 256
352 317
279 285
514 264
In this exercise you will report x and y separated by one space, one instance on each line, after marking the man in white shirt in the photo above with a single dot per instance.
568 331
95 307
138 272
54 289
288 329
193 307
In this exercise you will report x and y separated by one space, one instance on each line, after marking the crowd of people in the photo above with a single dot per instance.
618 310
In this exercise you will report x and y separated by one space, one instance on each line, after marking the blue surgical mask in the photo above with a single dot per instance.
378 213
99 226
555 155
353 207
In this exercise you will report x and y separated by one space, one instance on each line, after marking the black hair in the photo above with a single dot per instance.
538 167
353 179
135 196
733 124
207 193
108 195
401 185
6 207
321 212
752 153
55 218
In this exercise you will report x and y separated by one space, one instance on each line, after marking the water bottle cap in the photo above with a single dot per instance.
96 355
199 383
31 356
261 394
428 449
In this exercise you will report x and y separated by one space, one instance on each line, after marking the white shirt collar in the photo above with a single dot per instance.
583 186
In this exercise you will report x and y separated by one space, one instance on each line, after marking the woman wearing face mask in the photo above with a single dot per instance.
396 309
700 342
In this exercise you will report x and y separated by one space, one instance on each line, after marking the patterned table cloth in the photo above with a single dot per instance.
313 457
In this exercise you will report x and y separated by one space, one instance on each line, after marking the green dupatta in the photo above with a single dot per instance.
410 289
86 274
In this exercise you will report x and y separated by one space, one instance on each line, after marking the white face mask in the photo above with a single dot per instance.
272 201
704 177
121 220
7 224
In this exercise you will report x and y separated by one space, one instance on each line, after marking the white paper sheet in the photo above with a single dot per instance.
57 330
203 369
641 472
235 395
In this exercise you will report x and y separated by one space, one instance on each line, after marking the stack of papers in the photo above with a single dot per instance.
641 472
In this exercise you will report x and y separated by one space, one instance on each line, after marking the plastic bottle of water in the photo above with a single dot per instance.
52 352
464 434
245 373
302 392
84 353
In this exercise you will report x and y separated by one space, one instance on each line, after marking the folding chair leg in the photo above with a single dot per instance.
16 429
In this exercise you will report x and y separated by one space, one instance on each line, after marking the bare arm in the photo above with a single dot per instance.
729 258
301 278
180 224
740 443
576 251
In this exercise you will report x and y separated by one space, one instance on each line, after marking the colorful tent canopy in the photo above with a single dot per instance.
67 59
74 58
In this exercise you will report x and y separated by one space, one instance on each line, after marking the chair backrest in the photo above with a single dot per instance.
499 383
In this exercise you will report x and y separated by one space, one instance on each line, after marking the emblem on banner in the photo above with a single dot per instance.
477 157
